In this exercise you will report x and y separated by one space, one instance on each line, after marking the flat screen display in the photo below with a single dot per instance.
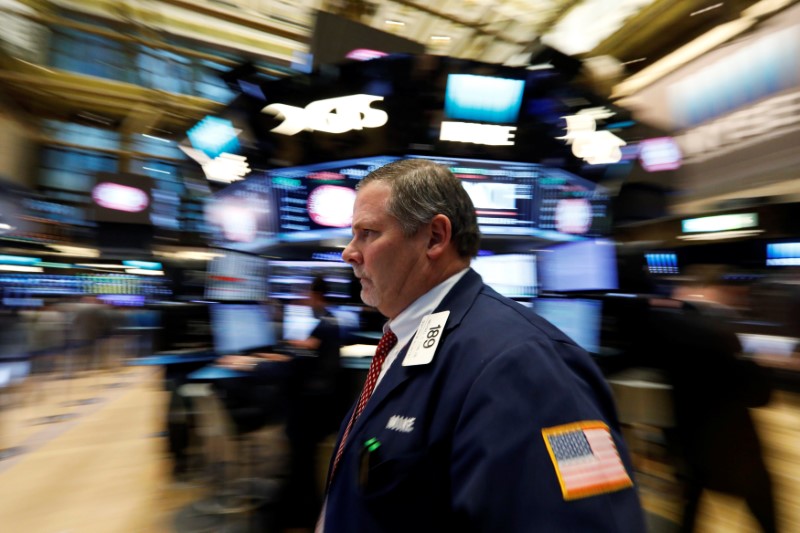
569 204
242 216
290 280
579 319
512 275
662 263
783 254
237 328
237 276
316 201
349 319
122 198
588 265
503 192
298 322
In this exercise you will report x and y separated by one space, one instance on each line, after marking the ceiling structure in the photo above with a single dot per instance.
616 43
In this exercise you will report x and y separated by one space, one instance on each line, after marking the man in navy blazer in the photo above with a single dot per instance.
485 417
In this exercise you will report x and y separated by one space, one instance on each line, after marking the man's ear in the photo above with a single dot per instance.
441 233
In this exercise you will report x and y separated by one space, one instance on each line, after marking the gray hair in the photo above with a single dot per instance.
422 189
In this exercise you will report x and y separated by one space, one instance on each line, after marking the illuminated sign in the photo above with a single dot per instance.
332 206
595 147
146 265
120 197
771 118
332 115
214 135
720 223
765 67
468 132
783 254
364 54
18 260
483 98
573 215
225 168
660 153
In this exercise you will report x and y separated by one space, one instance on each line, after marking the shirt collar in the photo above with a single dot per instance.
405 324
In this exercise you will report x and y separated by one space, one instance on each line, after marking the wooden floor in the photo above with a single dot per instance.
94 461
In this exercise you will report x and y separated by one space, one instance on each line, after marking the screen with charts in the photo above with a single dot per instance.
290 280
298 322
579 319
588 265
572 205
242 216
237 276
512 275
504 193
237 328
316 201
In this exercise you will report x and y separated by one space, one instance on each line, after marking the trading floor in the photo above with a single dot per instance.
88 455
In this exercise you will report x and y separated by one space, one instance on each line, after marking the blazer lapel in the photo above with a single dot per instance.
457 301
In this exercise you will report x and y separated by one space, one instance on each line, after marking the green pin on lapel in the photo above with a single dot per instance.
372 444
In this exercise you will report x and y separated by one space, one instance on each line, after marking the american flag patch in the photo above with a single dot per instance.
586 459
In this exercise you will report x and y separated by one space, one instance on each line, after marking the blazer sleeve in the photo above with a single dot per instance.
503 476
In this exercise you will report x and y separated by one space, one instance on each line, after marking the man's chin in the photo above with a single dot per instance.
367 298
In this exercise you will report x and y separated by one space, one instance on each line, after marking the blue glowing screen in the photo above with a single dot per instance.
483 98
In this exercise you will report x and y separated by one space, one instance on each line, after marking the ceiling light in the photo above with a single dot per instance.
156 170
440 38
720 235
156 138
21 268
709 8
391 22
144 272
99 265
632 61
75 250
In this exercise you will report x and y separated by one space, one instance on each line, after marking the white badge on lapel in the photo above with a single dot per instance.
426 339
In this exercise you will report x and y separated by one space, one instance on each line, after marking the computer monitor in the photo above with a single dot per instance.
588 265
298 322
237 328
349 319
237 276
512 275
580 319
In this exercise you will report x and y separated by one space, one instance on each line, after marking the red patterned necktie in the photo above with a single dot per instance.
385 345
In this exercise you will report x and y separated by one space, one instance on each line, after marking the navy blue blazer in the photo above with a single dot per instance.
459 444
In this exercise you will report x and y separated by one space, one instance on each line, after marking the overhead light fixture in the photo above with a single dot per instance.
144 272
188 254
440 38
99 265
21 268
157 170
540 66
632 61
75 250
709 8
720 235
392 22
156 138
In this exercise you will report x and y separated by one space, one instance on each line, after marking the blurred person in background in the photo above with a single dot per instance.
715 439
90 322
314 403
